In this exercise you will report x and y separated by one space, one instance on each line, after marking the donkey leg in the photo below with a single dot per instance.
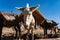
1 26
32 29
16 32
19 31
28 32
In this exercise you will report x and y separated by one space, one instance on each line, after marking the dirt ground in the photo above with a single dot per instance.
9 34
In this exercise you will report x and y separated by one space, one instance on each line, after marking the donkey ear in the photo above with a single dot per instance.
34 8
20 8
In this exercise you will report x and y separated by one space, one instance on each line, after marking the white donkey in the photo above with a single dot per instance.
29 20
28 16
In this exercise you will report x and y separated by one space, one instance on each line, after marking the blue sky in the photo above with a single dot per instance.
49 8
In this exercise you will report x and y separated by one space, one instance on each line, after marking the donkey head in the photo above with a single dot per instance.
28 8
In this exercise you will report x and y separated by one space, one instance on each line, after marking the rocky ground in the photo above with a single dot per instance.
50 39
9 34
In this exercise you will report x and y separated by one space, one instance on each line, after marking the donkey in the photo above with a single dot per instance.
49 24
29 20
9 20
